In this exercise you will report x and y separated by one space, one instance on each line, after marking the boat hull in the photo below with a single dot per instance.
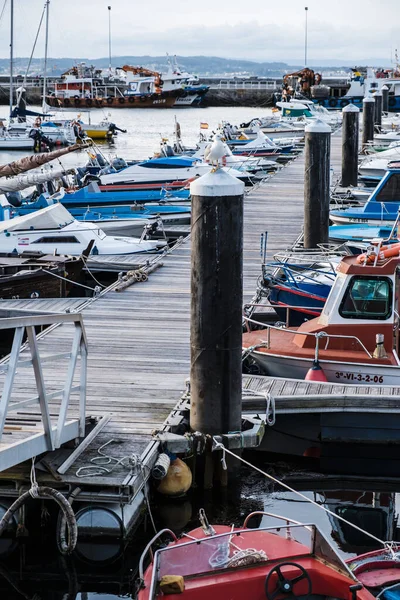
275 365
333 103
163 100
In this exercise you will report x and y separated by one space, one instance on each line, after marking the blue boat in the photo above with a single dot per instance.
92 195
381 207
298 292
353 234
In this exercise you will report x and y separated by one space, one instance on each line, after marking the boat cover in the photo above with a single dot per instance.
52 217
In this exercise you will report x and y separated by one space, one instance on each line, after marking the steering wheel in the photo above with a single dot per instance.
285 585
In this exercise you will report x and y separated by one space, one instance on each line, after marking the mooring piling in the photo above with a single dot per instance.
385 98
368 121
316 184
350 141
378 109
216 303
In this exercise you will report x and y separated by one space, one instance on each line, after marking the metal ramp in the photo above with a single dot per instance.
31 425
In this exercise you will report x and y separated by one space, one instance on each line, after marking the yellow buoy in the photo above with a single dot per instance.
178 479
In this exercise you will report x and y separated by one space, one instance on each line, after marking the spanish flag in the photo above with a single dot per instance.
203 125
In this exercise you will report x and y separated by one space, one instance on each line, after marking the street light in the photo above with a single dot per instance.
305 40
109 40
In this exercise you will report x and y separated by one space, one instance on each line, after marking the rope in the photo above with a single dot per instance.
95 290
98 466
91 274
219 446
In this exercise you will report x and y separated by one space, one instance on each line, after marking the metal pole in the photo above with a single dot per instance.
11 53
45 56
350 141
305 40
368 121
109 40
216 303
316 184
378 109
385 98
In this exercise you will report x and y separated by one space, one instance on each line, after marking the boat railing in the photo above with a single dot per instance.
251 305
148 550
317 336
263 513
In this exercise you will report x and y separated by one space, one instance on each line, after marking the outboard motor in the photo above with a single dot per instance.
14 198
119 163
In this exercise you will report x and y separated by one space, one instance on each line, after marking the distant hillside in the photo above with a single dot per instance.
200 65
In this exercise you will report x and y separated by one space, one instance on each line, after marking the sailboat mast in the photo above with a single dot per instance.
45 56
11 53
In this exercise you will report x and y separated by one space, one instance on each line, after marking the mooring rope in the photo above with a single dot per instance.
219 446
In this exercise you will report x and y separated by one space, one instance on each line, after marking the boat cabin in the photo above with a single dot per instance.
382 205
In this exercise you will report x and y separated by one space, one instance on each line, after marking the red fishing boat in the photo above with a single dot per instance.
378 570
290 560
354 340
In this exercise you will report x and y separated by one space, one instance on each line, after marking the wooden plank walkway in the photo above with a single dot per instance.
139 353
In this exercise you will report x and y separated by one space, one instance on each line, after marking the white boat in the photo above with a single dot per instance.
15 141
273 128
164 170
302 112
177 78
53 229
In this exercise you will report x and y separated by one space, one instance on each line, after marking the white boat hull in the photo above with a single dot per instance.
336 372
343 220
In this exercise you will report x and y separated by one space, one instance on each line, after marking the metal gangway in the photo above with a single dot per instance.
33 423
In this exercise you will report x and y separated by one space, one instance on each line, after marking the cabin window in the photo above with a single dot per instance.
66 239
367 298
391 189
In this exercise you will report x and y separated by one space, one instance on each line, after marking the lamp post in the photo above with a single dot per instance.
109 40
305 39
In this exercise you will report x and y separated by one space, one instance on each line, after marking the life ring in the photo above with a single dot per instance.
384 252
110 100
332 102
160 82
142 98
392 102
131 99
77 101
344 103
66 102
89 102
121 100
98 102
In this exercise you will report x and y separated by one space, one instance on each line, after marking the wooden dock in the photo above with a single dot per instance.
139 353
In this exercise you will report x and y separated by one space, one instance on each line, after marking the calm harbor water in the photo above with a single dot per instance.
32 568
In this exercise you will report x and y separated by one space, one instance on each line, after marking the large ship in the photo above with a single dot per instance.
85 86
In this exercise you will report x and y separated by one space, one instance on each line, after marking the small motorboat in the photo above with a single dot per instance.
289 560
355 339
382 206
54 229
166 170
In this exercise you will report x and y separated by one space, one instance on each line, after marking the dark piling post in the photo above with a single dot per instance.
21 99
316 184
216 303
385 98
378 109
368 121
350 140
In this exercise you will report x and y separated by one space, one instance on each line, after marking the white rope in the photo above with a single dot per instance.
98 466
219 446
34 484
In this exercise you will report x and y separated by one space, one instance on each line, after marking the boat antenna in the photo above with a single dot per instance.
11 53
109 40
47 7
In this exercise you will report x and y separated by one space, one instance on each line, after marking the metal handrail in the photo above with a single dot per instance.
148 549
295 332
268 514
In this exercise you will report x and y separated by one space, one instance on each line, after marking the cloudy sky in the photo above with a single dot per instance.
270 30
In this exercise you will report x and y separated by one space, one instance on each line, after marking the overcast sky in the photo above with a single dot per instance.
264 30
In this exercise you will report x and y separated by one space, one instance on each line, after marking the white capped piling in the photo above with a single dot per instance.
316 184
216 303
350 140
368 121
385 98
378 109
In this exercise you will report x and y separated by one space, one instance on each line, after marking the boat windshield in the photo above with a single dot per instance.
390 191
219 552
367 298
